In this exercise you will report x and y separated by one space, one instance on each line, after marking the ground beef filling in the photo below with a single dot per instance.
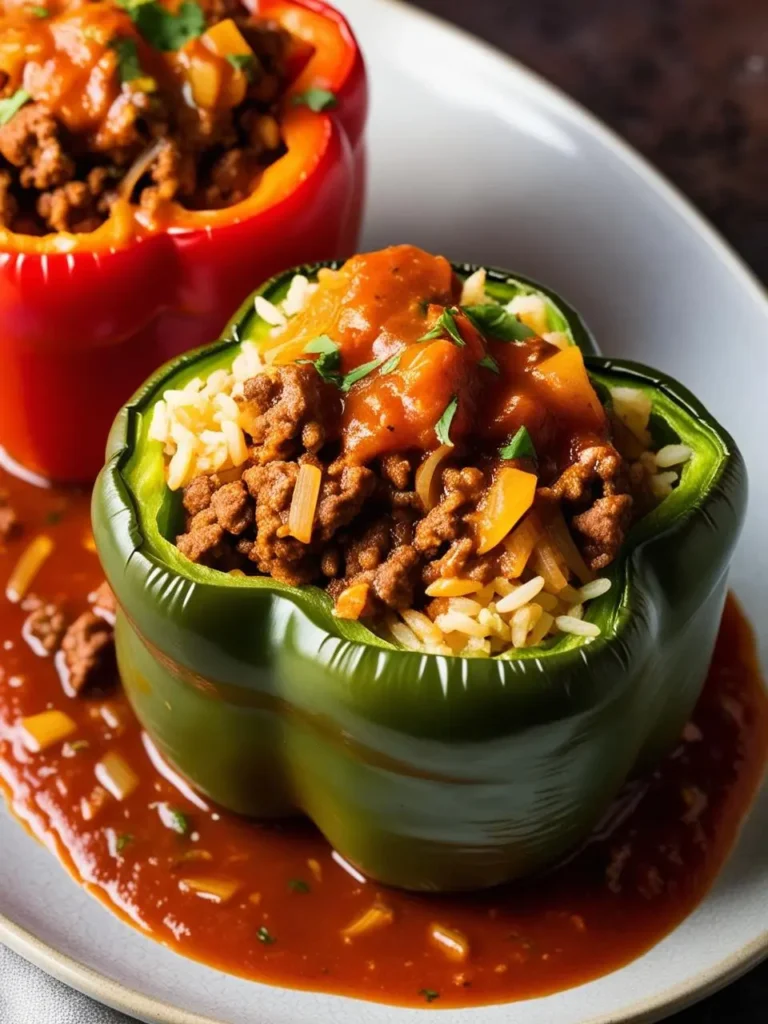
370 526
152 146
84 648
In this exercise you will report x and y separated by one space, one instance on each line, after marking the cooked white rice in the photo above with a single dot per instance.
200 427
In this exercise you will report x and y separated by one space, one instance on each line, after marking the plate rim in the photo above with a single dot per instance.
132 1002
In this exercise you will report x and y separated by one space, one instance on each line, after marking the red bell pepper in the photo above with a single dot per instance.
85 318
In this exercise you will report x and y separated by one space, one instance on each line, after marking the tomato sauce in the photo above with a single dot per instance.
291 899
401 304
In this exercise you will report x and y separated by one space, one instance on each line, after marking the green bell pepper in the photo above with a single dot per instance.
426 772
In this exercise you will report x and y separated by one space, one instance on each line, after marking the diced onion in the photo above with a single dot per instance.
546 564
116 775
27 567
473 289
218 890
450 941
304 502
563 539
46 729
376 917
520 544
427 481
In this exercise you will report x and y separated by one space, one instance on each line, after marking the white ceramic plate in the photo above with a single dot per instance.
474 157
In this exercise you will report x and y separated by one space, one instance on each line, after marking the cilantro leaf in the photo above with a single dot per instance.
328 362
391 364
429 994
12 105
264 935
163 29
123 840
38 10
489 363
445 324
298 885
316 99
495 322
129 65
173 819
443 425
245 62
520 447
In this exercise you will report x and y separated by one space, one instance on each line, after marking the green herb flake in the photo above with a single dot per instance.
429 994
122 840
316 99
38 11
12 105
391 364
489 363
128 63
520 447
163 29
298 885
78 745
174 819
245 62
264 935
443 425
495 322
53 517
359 373
328 362
446 324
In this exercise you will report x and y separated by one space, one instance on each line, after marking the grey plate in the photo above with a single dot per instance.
475 157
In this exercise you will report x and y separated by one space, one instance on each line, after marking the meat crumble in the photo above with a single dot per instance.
177 106
420 468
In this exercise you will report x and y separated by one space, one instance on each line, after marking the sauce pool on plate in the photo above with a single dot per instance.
273 902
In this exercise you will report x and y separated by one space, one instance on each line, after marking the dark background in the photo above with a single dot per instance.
686 83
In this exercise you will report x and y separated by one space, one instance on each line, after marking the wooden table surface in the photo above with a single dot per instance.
686 82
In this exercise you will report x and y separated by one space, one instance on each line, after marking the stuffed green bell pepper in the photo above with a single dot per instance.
400 552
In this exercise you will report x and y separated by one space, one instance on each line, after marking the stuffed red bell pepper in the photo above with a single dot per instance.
157 159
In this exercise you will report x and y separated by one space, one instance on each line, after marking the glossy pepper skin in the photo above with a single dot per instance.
87 317
427 772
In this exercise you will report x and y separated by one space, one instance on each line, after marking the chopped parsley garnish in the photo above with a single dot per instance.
128 63
489 363
38 11
173 819
495 322
328 362
12 105
429 994
443 425
391 364
264 935
298 885
316 99
358 373
245 62
122 840
446 324
163 29
520 447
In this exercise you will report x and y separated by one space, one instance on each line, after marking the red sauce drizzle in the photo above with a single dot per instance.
284 923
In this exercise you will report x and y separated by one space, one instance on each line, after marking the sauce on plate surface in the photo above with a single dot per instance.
273 902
